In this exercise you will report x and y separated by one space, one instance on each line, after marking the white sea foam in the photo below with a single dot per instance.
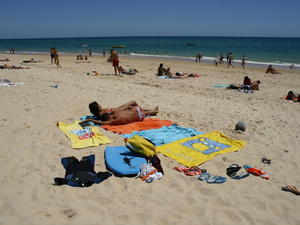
212 59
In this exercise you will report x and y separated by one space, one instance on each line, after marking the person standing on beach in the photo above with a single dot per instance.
52 54
199 57
230 60
196 58
103 53
243 61
90 52
115 60
221 58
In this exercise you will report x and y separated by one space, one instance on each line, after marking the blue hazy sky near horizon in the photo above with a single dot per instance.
92 18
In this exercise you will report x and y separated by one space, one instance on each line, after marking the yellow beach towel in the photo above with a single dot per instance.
82 138
196 150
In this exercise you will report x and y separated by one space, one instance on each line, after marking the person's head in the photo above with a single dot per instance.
95 109
270 66
258 81
161 65
246 78
111 50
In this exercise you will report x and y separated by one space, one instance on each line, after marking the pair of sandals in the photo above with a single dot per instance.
212 179
190 171
232 172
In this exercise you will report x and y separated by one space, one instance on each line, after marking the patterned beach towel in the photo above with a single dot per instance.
196 150
146 124
83 137
165 134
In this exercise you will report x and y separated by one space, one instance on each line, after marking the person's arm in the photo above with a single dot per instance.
126 105
108 122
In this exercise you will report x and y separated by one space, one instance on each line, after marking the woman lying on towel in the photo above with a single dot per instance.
180 75
124 114
128 72
12 67
31 61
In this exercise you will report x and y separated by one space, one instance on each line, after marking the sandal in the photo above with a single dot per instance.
291 189
266 161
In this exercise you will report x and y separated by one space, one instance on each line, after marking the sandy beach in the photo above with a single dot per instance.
32 145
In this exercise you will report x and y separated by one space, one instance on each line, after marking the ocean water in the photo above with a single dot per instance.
258 50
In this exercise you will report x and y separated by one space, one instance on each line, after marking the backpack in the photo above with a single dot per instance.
141 146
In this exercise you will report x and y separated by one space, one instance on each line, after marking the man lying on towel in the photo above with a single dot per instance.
124 114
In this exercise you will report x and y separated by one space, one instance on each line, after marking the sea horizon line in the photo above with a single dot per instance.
152 36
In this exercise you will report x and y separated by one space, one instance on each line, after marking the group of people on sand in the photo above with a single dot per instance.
114 59
248 86
124 114
54 57
161 71
81 57
229 60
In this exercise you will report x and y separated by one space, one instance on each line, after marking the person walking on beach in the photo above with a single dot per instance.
115 60
56 60
230 60
90 52
103 53
196 58
243 61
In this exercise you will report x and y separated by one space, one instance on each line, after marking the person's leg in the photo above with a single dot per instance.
115 70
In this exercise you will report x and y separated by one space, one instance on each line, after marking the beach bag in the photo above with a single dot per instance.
141 146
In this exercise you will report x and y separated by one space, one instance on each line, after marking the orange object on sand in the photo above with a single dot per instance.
146 124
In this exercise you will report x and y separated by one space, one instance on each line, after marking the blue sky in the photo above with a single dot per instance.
97 18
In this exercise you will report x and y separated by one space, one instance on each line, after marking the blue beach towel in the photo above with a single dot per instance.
166 77
220 85
165 134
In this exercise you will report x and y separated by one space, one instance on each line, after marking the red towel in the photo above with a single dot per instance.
146 124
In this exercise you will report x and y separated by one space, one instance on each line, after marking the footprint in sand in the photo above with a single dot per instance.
69 213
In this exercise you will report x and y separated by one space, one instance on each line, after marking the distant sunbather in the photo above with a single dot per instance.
30 61
4 60
128 72
270 69
12 67
124 114
160 70
255 85
247 80
292 96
